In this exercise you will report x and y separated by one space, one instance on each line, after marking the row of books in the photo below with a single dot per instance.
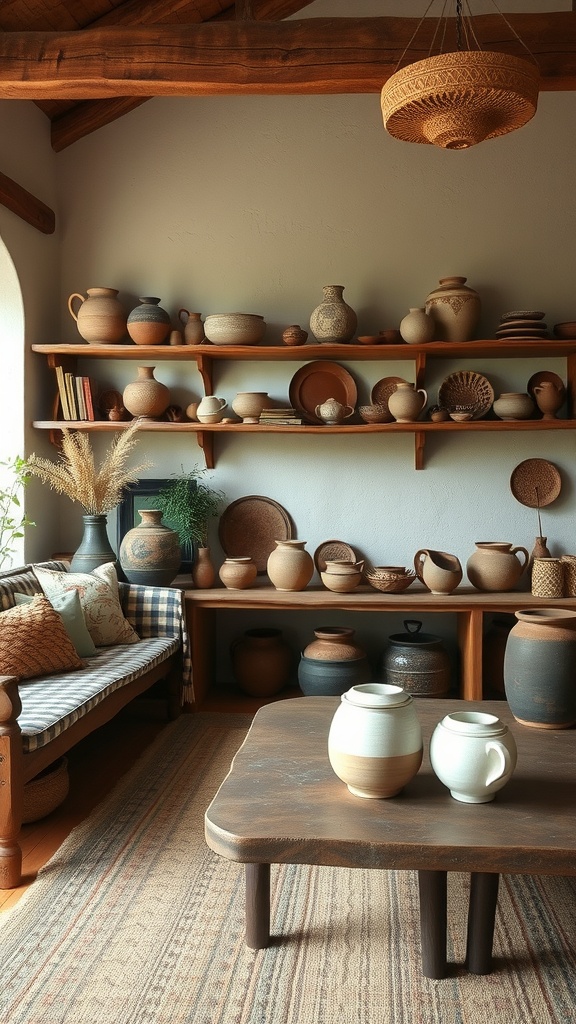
77 396
279 416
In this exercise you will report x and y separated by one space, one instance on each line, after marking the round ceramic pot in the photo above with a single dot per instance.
455 308
290 566
333 412
148 323
333 320
417 327
334 643
473 754
146 396
294 335
495 566
331 678
150 553
375 740
513 405
261 662
417 662
101 318
539 668
238 573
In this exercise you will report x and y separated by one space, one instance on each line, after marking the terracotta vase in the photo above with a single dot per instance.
101 317
193 327
95 548
333 320
494 566
290 566
238 573
294 335
406 403
150 553
148 323
539 668
549 398
417 327
455 308
146 396
540 550
375 740
203 571
261 662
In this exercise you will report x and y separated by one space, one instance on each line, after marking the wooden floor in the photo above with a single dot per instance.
95 765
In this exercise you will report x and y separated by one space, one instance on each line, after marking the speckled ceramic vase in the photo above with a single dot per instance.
150 553
455 308
375 740
148 323
146 396
290 566
333 320
261 662
539 668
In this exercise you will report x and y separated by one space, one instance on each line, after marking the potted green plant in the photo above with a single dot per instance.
13 520
189 503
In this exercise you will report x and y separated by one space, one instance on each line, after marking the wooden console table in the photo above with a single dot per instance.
468 604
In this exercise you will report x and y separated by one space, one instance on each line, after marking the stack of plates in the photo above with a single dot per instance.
522 324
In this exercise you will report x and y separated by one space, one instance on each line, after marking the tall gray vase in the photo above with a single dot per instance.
95 548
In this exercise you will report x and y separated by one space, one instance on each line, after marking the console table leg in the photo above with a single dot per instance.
257 905
481 917
433 907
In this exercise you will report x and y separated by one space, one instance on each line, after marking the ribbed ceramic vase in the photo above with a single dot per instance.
455 308
539 668
95 548
375 740
148 323
333 320
101 317
290 566
261 662
146 396
150 552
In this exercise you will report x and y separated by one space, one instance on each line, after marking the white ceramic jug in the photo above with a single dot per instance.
474 754
211 409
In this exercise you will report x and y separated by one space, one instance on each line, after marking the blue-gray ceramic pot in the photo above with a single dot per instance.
539 665
331 678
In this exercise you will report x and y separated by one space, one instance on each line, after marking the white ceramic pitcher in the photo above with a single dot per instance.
474 754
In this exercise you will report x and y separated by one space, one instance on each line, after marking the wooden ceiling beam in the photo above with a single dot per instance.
318 55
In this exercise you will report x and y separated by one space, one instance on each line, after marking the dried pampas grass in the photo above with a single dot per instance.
75 474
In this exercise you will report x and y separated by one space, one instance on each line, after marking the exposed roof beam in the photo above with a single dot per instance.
318 55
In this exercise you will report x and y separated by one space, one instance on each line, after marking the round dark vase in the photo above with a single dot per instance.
539 668
417 662
150 553
261 662
95 548
332 663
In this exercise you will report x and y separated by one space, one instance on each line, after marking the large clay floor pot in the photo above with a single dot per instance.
539 668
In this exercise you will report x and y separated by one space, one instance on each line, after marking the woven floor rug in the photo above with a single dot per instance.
136 921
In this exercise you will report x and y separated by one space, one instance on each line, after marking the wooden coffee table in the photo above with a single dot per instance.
281 803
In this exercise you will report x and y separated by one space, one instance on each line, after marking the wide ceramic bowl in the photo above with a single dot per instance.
234 328
565 330
375 413
341 583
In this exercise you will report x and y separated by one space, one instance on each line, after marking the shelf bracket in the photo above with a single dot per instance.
419 442
204 365
420 367
205 441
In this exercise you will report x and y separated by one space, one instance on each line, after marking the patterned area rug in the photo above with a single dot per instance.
136 921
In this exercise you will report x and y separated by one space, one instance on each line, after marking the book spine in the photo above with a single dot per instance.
62 392
88 398
81 405
69 378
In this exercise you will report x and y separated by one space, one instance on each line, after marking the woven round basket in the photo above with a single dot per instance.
456 100
46 792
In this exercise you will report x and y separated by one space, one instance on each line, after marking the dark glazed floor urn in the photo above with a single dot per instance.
539 664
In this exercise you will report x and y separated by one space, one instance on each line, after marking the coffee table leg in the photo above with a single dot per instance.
481 917
433 899
257 905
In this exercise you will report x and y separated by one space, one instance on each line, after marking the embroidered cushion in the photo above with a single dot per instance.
99 596
70 611
34 641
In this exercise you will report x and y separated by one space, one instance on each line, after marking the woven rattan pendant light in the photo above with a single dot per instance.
456 100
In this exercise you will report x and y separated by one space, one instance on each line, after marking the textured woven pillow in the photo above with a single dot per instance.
100 600
69 609
34 641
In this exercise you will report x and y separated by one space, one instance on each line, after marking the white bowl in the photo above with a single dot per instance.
234 328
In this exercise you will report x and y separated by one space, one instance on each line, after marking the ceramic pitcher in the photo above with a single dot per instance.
474 754
495 566
438 570
211 409
406 403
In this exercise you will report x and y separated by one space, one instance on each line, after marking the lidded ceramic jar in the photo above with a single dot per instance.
238 573
539 668
417 662
290 566
261 662
455 308
333 320
150 553
474 754
495 567
101 318
417 327
513 405
148 323
406 403
193 327
333 412
375 740
146 396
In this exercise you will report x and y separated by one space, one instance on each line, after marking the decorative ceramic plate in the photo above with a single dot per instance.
535 483
384 388
523 314
314 382
540 378
468 389
331 550
251 526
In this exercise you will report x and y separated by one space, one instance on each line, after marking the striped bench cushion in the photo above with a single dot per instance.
53 704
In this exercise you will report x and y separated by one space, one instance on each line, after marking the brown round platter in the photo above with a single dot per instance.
317 381
384 388
251 526
331 551
536 483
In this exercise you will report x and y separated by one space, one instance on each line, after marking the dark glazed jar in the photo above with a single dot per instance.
261 662
417 662
332 663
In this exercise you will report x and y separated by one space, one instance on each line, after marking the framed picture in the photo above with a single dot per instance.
143 494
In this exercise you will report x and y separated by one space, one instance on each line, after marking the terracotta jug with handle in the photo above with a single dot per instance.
495 567
406 403
438 570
